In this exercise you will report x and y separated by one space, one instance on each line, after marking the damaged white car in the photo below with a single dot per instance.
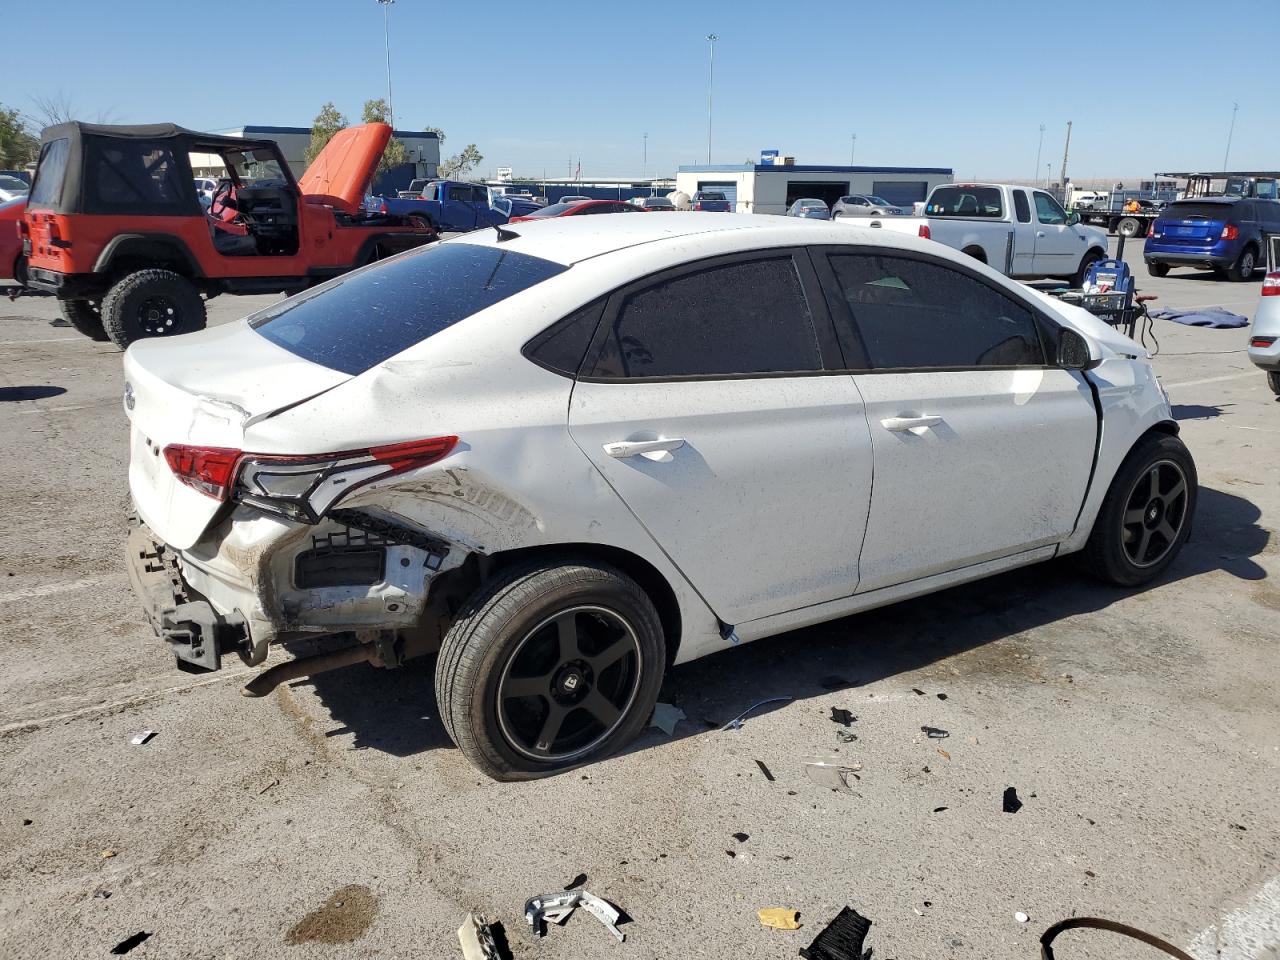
567 455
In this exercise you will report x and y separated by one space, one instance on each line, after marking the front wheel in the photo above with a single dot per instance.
85 316
548 667
1244 266
1146 515
1087 261
151 303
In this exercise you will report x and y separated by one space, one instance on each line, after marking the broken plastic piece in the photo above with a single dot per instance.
477 940
665 717
605 912
737 721
842 938
1011 802
779 918
765 770
935 733
842 716
556 907
143 737
742 837
832 773
846 736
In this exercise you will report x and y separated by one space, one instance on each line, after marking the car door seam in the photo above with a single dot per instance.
1097 448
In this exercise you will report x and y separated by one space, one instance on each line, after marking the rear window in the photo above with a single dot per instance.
555 209
1186 210
50 172
354 322
709 195
965 202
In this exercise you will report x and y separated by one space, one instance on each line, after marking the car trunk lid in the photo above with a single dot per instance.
341 173
203 397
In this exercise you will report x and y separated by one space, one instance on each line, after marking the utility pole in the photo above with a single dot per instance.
1039 147
644 164
386 36
1065 149
711 79
853 147
1226 156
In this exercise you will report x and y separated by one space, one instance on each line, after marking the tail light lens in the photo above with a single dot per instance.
382 207
1229 232
299 487
924 231
1262 341
1271 285
1151 229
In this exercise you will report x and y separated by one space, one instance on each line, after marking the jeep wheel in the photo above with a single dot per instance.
1146 515
1244 266
151 303
548 667
85 316
1158 269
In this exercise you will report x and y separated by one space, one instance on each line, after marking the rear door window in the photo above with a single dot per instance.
906 314
50 172
135 177
965 201
356 321
742 317
1021 207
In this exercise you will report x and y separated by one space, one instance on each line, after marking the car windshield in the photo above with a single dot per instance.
354 322
965 201
255 166
13 183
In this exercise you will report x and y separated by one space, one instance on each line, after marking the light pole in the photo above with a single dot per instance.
711 79
1039 147
386 36
1226 156
644 164
853 147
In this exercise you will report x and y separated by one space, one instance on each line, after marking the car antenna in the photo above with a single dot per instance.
504 235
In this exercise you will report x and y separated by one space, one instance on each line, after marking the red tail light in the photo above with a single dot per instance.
1271 285
382 207
1151 229
924 231
1262 341
1229 232
207 469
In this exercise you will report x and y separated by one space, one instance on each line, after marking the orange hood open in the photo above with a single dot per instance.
342 172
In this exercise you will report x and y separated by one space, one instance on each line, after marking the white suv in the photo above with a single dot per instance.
570 453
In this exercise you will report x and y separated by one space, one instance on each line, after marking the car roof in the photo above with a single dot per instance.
571 240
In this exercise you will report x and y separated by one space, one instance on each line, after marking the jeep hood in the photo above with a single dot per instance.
340 175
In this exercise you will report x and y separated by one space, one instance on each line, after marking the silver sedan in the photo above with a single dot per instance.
810 209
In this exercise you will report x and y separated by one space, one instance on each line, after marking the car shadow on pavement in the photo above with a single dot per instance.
394 711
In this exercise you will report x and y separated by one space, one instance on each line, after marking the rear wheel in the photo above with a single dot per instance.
1158 269
549 667
1087 261
1244 266
1128 227
85 316
1273 381
976 252
151 303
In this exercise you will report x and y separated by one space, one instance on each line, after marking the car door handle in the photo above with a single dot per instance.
650 449
1039 233
916 425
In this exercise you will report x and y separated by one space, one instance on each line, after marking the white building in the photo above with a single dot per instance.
773 187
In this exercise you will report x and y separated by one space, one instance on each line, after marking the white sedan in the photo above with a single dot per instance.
568 454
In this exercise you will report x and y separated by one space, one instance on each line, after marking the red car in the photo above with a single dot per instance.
12 265
579 208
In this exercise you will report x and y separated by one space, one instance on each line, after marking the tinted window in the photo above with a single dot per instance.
13 183
50 171
134 176
965 202
562 346
744 317
356 321
465 194
912 314
554 210
1191 209
1021 207
1048 210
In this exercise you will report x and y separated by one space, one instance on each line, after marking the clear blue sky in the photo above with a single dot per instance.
534 84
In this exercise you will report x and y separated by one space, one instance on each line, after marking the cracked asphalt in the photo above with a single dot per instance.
334 819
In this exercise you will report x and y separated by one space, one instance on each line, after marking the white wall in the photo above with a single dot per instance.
766 191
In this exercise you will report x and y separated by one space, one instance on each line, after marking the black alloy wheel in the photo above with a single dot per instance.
1154 513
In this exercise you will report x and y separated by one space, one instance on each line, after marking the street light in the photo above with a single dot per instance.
386 35
1235 107
711 79
1039 147
853 147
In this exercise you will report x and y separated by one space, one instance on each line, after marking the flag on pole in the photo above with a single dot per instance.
577 174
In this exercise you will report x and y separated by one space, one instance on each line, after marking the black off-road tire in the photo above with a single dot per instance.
1088 260
1105 555
1158 269
151 303
488 633
1245 265
1273 381
85 316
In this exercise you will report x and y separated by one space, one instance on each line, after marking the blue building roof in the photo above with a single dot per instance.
306 131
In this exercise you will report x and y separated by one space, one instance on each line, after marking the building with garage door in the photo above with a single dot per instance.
773 187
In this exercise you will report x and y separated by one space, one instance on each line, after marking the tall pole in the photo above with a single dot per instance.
853 147
711 80
644 164
1039 147
386 36
1226 156
1065 149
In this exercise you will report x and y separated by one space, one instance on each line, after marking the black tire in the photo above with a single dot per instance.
506 644
1088 260
20 271
1158 269
1128 227
151 303
85 316
1273 381
1245 264
976 252
1134 540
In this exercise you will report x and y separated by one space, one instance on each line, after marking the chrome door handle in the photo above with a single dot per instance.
916 425
650 449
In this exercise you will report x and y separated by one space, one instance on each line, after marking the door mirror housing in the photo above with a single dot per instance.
1076 351
1073 219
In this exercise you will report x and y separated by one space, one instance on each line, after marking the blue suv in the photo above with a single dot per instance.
1225 234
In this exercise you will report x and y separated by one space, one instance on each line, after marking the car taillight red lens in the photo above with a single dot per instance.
414 453
1271 285
1230 232
924 231
1151 229
207 469
1262 341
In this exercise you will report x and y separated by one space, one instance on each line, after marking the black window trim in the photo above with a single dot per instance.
1046 326
829 353
534 343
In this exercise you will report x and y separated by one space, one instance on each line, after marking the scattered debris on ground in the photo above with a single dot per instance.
737 721
108 854
742 837
1011 802
1021 917
779 918
943 754
477 938
842 716
128 943
846 736
141 738
577 881
917 691
833 773
768 775
102 894
935 733
841 939
665 717
556 908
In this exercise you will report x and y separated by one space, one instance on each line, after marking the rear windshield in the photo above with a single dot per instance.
354 322
50 171
1187 209
555 209
965 202
709 195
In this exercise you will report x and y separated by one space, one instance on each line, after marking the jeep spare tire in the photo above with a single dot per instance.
151 303
85 316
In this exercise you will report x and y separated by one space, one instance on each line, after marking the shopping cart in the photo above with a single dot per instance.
1109 294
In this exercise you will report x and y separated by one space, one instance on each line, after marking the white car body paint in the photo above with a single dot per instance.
760 522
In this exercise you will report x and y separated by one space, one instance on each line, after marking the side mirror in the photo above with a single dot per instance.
1073 219
1075 352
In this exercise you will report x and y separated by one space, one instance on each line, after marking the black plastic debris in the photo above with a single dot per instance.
841 939
742 837
935 733
938 809
765 770
846 736
942 696
27 822
127 944
842 716
577 881
1011 802
917 691
1236 826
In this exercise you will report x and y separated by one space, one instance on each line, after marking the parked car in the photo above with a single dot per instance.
577 208
1022 232
710 201
130 252
1089 199
446 206
205 186
864 205
414 190
573 198
12 262
17 175
1264 339
545 475
659 204
510 205
809 209
11 188
1222 234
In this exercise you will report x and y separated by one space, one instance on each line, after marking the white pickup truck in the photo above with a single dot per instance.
1021 231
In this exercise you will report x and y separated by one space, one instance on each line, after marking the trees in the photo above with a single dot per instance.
17 146
328 122
460 164
377 111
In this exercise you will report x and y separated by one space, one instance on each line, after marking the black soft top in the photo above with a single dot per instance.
75 130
